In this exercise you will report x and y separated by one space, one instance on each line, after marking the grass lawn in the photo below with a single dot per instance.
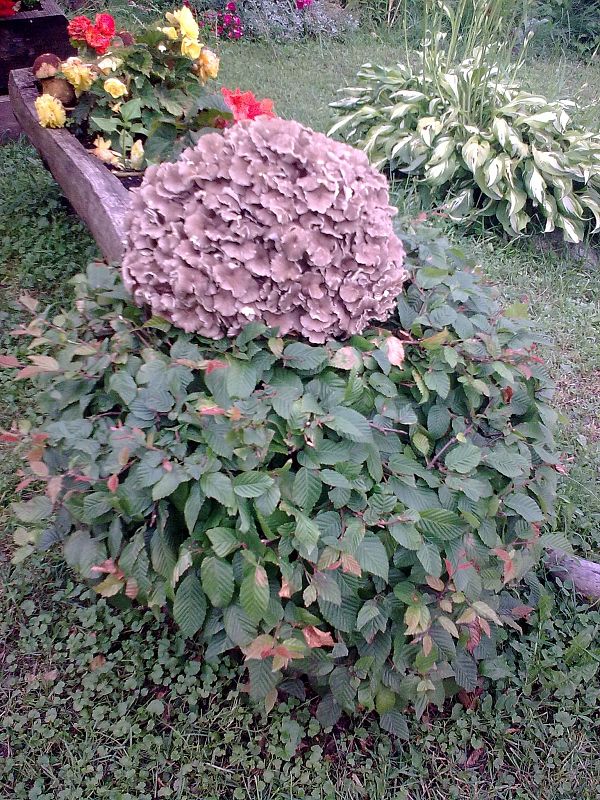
102 704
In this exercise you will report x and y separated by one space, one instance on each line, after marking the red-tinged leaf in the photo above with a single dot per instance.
39 438
23 484
474 636
113 483
45 363
470 699
166 465
10 438
524 369
520 612
485 626
9 361
317 638
427 645
213 364
346 358
476 759
561 469
28 372
211 411
286 589
107 567
39 468
507 394
131 588
503 555
350 565
260 648
395 351
449 568
53 487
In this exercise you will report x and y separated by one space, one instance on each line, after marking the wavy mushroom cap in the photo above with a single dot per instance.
267 221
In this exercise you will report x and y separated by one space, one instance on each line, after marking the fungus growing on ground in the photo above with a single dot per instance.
268 221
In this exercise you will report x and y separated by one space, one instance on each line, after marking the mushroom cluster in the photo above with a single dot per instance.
267 221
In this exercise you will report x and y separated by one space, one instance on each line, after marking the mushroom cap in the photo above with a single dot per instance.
266 221
46 66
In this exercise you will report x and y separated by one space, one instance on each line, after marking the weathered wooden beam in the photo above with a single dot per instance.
97 196
28 34
583 574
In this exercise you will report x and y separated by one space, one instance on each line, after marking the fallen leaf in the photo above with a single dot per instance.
317 638
97 662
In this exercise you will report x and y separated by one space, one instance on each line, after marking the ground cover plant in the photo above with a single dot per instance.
100 732
477 145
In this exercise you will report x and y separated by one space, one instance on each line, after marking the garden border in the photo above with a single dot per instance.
97 196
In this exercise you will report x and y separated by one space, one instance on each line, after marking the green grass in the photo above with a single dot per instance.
151 720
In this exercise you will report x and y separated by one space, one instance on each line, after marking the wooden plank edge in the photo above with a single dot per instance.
95 194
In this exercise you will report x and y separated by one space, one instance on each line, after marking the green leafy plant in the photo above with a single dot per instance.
476 143
357 513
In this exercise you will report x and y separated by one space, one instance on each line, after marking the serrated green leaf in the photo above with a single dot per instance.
372 556
218 486
463 458
217 581
123 384
238 625
525 506
342 689
163 556
507 462
189 607
465 670
39 508
438 421
395 723
252 484
193 504
302 356
307 489
437 523
224 541
254 593
350 424
429 556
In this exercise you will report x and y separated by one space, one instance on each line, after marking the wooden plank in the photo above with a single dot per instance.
96 195
9 127
28 34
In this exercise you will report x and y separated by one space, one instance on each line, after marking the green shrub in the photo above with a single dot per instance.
357 513
475 142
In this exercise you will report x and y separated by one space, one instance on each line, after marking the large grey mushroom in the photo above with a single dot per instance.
268 221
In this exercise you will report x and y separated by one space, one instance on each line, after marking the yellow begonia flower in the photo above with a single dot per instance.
109 64
103 152
136 157
50 111
79 75
190 48
186 22
170 32
207 65
115 88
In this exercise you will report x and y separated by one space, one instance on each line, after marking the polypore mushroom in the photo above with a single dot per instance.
268 221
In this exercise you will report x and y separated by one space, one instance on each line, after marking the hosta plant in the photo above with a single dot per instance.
476 144
356 514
